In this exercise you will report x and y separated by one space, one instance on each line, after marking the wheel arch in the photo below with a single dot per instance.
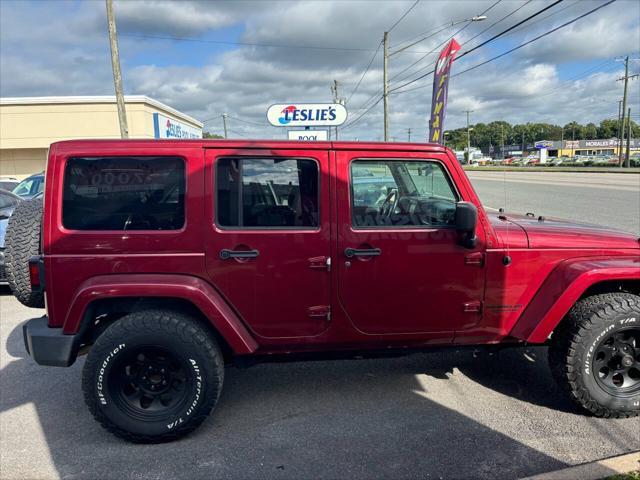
108 297
570 281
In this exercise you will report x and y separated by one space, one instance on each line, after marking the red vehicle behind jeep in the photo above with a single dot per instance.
164 260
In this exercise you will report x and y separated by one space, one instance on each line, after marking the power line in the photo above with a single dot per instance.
247 121
378 95
403 15
510 28
436 48
358 119
364 73
252 44
498 21
545 93
541 19
534 39
490 40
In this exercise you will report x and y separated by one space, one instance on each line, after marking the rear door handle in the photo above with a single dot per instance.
226 254
362 252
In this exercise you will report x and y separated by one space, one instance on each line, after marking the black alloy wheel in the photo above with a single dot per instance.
616 362
150 382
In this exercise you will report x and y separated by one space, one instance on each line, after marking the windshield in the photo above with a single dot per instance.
29 187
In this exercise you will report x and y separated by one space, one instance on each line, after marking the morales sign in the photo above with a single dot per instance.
440 90
165 127
307 115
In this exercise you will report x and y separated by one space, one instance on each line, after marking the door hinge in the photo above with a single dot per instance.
320 263
476 258
320 311
474 306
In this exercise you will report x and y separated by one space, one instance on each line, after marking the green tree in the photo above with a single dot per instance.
590 131
211 135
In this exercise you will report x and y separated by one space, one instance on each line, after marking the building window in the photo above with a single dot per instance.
267 193
124 193
396 194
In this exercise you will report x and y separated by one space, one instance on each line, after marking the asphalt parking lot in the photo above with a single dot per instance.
428 416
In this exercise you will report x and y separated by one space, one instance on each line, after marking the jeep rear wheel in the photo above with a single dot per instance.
153 376
22 242
595 354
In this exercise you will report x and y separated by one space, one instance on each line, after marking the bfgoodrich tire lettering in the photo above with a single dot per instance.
153 376
578 354
23 242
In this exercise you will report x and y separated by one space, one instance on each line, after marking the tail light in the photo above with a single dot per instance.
36 274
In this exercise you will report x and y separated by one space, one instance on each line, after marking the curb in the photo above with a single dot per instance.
594 470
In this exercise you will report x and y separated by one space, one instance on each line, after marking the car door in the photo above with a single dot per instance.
401 267
267 248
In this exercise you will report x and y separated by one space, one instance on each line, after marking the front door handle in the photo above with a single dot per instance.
362 252
226 254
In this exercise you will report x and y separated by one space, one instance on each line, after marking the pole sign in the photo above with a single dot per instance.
308 135
440 90
307 115
165 127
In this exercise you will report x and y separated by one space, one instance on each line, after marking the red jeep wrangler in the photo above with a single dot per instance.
164 260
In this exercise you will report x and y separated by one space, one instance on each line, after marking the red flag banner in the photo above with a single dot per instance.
440 90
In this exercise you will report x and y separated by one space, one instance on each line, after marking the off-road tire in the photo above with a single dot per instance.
179 335
22 242
575 342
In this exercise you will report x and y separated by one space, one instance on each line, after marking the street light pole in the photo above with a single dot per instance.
468 138
385 81
117 75
224 124
385 61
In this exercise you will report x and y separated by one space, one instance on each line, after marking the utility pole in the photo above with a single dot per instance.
336 99
468 138
117 75
624 107
409 134
224 123
619 125
387 54
628 162
573 140
502 140
385 86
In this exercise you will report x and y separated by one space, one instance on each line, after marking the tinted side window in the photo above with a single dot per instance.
124 193
395 193
267 192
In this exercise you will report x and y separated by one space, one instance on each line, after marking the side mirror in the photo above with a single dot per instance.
466 221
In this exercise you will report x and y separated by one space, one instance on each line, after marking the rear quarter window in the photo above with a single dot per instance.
124 193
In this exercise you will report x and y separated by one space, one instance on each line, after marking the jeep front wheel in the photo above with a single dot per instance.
153 376
595 354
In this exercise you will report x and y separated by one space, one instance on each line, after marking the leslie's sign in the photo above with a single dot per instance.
307 115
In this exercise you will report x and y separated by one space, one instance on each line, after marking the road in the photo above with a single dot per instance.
424 416
610 199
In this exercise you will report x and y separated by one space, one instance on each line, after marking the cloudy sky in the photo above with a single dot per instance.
207 58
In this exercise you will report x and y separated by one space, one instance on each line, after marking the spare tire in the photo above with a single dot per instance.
22 241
